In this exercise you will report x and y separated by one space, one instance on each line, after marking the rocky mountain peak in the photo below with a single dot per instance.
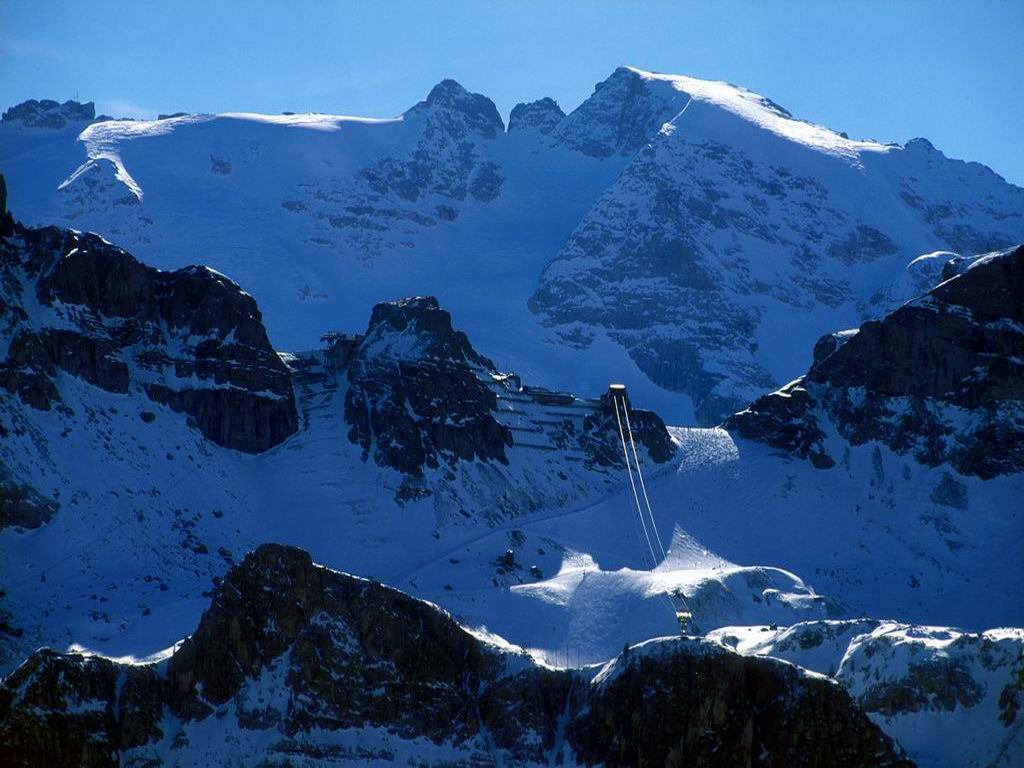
463 112
920 144
542 116
940 378
47 113
415 398
622 114
417 327
190 339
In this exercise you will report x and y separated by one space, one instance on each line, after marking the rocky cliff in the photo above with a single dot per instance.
71 303
940 379
292 661
421 400
47 113
912 679
542 116
417 394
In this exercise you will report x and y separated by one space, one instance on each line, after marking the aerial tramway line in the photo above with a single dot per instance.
617 393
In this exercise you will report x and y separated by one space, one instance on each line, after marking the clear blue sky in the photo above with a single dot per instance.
950 71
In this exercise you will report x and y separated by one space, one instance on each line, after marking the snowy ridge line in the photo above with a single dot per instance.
763 112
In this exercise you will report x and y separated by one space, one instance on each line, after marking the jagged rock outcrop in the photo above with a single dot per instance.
542 116
599 438
619 117
22 505
416 396
905 676
449 159
422 399
190 339
50 114
941 379
462 111
444 164
295 661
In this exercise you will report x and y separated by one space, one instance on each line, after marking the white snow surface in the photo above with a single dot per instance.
152 513
322 216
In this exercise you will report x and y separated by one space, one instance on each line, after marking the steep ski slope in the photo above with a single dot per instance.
667 233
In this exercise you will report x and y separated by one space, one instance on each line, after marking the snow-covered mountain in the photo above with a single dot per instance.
294 662
669 232
736 229
410 381
414 460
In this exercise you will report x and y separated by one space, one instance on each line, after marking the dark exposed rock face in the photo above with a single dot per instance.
420 398
416 399
297 653
467 111
50 114
941 378
73 711
618 118
542 116
23 506
191 339
6 220
602 443
687 703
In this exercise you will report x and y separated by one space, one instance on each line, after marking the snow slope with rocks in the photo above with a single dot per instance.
529 536
951 698
292 661
668 232
690 238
